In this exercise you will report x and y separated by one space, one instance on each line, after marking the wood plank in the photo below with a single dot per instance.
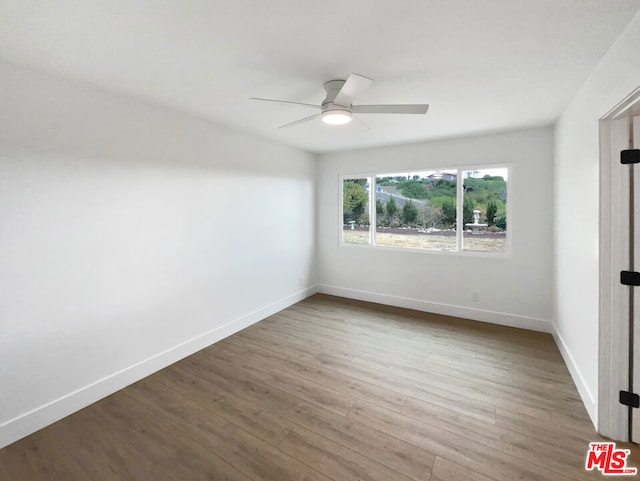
248 453
539 422
561 454
4 472
348 386
469 453
401 456
201 422
199 405
397 454
264 462
445 470
107 456
165 444
283 380
436 389
335 461
40 457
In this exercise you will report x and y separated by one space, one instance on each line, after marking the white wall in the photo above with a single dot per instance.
576 170
513 291
131 236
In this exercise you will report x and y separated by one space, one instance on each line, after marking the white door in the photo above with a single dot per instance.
618 131
635 433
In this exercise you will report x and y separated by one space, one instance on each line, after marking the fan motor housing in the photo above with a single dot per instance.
333 87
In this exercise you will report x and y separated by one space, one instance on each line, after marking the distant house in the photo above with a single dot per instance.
441 176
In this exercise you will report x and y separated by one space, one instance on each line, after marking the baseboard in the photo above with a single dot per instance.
492 317
585 393
32 421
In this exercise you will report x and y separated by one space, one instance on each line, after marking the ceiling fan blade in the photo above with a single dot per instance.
391 109
287 102
354 84
306 119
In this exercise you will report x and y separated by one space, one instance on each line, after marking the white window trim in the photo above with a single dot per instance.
507 254
342 178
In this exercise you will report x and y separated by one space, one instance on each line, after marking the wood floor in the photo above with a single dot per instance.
333 390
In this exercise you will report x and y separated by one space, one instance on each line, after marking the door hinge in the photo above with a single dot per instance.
631 156
629 399
630 278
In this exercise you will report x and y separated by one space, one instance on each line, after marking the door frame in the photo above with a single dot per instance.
613 352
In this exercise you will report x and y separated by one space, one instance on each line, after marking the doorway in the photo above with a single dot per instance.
619 359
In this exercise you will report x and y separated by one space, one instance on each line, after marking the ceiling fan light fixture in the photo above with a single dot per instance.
337 106
336 117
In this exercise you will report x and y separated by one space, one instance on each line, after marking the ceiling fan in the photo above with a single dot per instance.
337 107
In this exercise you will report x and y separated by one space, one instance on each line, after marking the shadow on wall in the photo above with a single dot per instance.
47 113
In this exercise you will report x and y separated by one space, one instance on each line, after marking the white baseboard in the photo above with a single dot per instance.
36 419
585 393
492 317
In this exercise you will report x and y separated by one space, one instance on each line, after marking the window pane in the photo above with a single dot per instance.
416 209
355 211
485 210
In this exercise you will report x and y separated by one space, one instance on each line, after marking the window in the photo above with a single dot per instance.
355 211
417 209
427 210
484 210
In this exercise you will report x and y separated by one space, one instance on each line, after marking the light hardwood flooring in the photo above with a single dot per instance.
333 390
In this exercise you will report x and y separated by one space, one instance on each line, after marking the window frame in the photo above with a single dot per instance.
459 250
341 212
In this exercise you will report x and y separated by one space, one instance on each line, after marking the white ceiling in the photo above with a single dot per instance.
482 65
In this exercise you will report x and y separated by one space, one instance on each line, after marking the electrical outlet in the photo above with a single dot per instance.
475 297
